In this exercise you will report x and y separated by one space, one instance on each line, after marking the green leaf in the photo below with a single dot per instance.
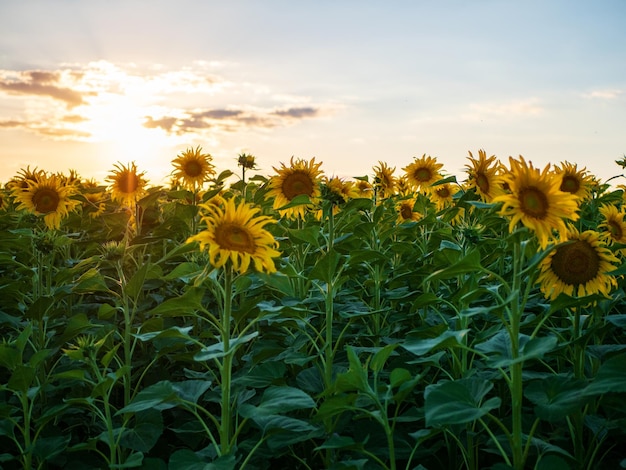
458 402
326 267
378 360
90 281
447 339
555 397
610 377
278 400
191 390
47 447
185 305
159 396
309 234
21 378
145 432
132 461
283 424
135 285
470 263
296 201
217 350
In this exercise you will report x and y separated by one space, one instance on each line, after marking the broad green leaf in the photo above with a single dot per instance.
618 320
135 285
263 374
610 377
470 263
326 266
134 460
10 356
144 432
216 350
277 400
76 324
47 447
458 402
283 424
21 378
296 201
309 234
191 390
555 397
447 339
90 281
499 348
377 363
173 332
185 305
159 396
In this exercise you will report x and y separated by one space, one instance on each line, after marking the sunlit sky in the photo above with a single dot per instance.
87 84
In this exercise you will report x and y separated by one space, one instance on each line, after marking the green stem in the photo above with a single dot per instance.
329 303
225 427
516 368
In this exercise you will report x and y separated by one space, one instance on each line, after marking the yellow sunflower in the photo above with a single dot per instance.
236 233
127 186
20 181
300 178
484 176
443 194
246 161
573 180
363 188
578 267
423 171
48 197
193 168
614 225
406 212
384 181
536 200
403 186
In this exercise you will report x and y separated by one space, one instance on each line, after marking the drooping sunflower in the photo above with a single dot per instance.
363 188
302 177
127 185
443 194
573 180
536 200
484 176
406 212
578 266
48 197
614 225
384 180
423 171
236 233
20 181
193 168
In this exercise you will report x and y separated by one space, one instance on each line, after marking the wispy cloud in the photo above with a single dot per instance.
524 107
155 98
606 94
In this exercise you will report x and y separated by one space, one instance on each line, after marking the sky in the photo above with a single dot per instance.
87 84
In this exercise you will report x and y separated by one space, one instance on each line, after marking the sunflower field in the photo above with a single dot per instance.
404 319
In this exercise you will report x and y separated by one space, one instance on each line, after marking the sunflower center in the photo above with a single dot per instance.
482 182
127 182
570 184
423 174
406 211
443 192
576 263
234 237
46 200
193 168
533 202
297 183
615 230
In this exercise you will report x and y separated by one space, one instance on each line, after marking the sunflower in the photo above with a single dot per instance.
423 171
406 212
363 187
403 186
484 176
573 180
579 266
236 233
246 161
384 180
126 184
614 225
193 168
442 194
536 200
300 178
48 197
20 181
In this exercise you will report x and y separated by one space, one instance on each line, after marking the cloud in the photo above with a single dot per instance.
230 120
42 83
61 133
607 94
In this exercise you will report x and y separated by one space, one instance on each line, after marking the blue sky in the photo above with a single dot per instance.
85 84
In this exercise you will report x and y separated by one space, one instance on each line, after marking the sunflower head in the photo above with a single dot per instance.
246 161
384 180
126 184
536 201
235 233
406 212
573 180
423 171
301 177
193 168
613 225
363 187
483 174
21 180
579 266
443 195
48 197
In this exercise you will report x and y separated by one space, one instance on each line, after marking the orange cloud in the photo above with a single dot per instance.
43 83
